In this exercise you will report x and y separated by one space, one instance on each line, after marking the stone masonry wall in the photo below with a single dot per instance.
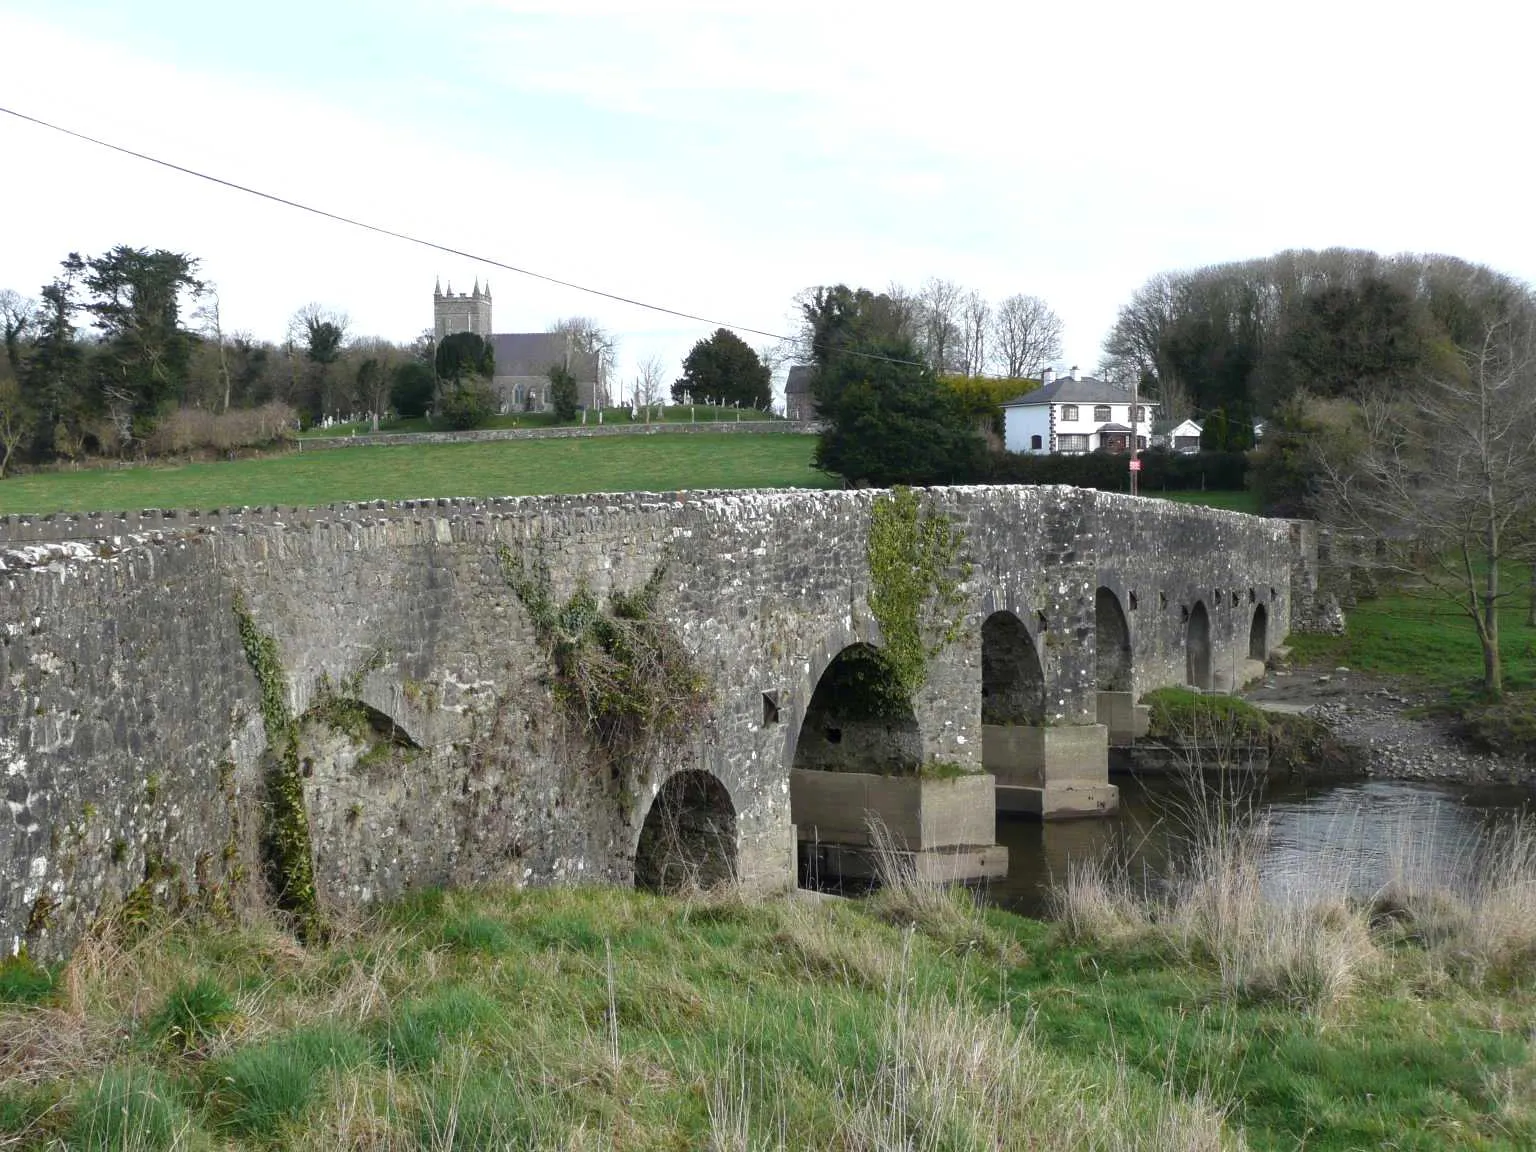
131 746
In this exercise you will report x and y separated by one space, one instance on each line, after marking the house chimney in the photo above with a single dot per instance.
1073 374
1046 377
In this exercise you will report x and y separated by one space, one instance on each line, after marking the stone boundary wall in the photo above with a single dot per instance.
488 435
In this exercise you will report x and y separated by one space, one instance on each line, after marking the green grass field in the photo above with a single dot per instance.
598 1018
506 468
671 414
1425 637
1231 501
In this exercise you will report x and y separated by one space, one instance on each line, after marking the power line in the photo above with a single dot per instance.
410 239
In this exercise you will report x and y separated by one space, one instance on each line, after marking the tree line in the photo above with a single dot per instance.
127 353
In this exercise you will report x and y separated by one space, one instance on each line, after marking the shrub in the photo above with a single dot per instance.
1161 470
470 405
24 981
199 430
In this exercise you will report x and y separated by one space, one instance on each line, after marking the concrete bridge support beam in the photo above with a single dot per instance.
1125 719
1053 772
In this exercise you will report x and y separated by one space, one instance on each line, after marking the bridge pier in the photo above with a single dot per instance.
1054 772
945 829
1126 720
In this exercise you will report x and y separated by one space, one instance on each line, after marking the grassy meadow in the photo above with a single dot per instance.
506 468
599 1018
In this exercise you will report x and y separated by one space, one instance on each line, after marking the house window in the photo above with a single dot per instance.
1140 416
1072 443
1141 442
1034 443
1069 411
1101 412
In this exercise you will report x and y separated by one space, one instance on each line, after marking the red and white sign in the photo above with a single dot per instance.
1135 464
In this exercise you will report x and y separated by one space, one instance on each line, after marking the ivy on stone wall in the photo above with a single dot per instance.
916 571
621 673
286 848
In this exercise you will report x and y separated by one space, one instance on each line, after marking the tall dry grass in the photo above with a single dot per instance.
198 429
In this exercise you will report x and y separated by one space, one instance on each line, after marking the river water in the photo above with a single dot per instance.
1361 832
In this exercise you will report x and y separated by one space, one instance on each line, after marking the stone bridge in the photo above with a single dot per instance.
429 734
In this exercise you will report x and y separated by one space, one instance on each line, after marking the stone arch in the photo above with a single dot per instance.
689 838
1012 678
1197 647
1113 642
1258 634
859 718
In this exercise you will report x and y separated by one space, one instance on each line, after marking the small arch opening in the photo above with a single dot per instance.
1012 679
1197 647
689 837
859 718
1113 641
1258 635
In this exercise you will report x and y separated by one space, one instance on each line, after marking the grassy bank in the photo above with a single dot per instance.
598 1018
1423 639
513 468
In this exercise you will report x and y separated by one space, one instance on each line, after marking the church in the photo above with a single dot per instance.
523 359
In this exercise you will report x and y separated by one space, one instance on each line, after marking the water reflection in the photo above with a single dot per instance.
1360 834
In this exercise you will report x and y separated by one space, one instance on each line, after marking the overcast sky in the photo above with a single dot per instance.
717 158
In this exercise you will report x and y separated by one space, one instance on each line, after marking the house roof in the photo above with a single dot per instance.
534 353
1078 390
800 377
1187 428
1113 428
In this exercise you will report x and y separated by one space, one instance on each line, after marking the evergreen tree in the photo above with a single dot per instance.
562 392
724 368
890 422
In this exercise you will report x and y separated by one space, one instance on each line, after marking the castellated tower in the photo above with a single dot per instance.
466 312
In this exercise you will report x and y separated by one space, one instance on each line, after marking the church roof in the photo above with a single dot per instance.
800 377
1074 390
535 353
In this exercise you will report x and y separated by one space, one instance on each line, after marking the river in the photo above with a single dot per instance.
1363 832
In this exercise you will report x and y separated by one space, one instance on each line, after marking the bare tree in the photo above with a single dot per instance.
209 317
15 419
1026 335
1444 478
18 314
940 305
590 338
976 324
648 384
376 360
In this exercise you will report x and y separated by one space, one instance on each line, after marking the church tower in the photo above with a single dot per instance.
466 312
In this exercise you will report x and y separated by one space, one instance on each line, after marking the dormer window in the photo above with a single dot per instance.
1069 411
1101 412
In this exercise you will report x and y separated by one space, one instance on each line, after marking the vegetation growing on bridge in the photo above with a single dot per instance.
916 570
621 674
288 855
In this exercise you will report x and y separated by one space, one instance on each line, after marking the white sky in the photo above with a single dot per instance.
717 158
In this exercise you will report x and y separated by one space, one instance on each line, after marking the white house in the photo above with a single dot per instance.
1185 437
1075 414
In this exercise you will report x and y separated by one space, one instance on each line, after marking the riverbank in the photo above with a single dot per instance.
604 1018
1401 730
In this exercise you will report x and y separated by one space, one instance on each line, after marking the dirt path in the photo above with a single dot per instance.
1371 714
